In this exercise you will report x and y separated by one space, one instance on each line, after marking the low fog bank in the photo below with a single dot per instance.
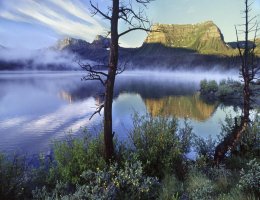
50 59
12 59
187 75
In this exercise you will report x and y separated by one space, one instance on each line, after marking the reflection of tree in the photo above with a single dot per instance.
181 106
65 96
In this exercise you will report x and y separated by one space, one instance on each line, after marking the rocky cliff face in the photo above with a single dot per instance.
257 49
101 42
71 44
203 37
77 44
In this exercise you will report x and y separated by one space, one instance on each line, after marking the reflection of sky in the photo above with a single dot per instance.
33 112
212 126
124 107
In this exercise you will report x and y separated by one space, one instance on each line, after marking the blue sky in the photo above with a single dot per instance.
36 24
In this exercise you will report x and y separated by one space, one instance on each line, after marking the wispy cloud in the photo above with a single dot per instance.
65 17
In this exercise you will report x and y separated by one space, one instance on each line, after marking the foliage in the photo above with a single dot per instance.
199 186
12 177
78 170
171 189
222 177
227 126
229 88
207 87
250 142
128 182
236 194
248 147
205 147
157 145
186 135
77 155
250 178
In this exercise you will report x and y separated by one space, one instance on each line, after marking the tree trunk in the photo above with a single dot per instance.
245 68
231 140
112 68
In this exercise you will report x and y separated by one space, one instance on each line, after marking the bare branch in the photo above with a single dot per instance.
238 46
90 69
97 10
133 29
98 110
93 74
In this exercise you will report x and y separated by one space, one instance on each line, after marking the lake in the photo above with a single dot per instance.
40 107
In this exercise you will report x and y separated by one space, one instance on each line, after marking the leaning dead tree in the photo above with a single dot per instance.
250 76
135 19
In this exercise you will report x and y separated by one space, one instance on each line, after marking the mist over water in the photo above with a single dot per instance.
39 107
44 59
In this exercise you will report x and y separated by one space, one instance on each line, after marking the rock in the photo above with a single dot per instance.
101 42
202 37
71 44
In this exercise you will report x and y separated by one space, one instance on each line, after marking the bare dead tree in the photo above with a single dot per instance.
135 19
250 74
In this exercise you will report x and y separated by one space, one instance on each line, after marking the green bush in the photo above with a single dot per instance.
186 136
13 179
212 86
199 187
229 88
207 87
250 178
128 182
203 85
74 156
236 194
171 188
205 147
222 178
225 90
250 141
156 144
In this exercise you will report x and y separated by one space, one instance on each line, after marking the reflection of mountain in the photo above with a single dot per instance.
170 85
181 106
65 96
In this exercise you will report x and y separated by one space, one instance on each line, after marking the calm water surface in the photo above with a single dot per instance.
37 108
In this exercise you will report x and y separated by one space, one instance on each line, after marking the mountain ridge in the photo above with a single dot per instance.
204 38
174 47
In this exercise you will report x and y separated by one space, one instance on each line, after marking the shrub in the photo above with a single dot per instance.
250 178
186 135
128 182
222 178
77 155
205 147
250 141
212 86
156 144
229 88
12 177
236 194
225 90
171 189
199 186
203 85
207 87
249 145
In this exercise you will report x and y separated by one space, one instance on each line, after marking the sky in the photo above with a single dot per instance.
35 24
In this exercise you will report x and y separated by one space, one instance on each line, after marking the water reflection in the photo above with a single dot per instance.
38 108
191 106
